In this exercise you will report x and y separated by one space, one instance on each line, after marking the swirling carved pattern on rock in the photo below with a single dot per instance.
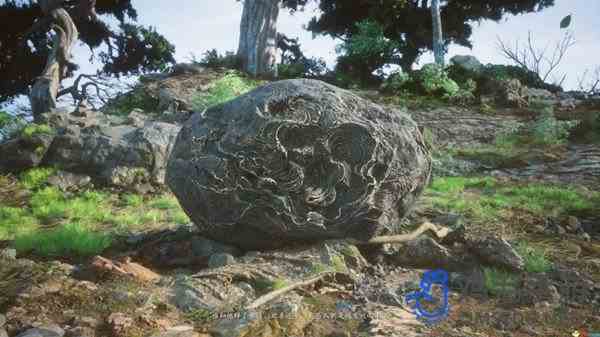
297 160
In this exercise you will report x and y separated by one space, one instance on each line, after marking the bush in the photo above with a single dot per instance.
396 82
137 98
36 177
547 130
10 125
434 80
213 59
33 129
305 67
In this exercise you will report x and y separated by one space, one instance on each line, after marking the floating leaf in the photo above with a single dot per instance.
565 22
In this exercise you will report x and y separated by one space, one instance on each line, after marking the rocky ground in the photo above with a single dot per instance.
170 281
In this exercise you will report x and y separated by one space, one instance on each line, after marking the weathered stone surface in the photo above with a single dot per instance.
178 331
220 260
427 253
43 331
120 155
467 62
23 152
297 160
67 181
496 252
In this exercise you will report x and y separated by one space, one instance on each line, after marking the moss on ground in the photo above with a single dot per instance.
228 87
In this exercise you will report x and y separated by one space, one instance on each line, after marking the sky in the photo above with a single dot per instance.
195 26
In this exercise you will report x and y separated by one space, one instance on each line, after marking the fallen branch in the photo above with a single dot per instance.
440 232
279 292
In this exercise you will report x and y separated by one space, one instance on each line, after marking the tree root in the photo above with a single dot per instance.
279 292
440 232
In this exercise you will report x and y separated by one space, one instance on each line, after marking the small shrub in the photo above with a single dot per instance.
396 82
32 130
230 86
547 130
137 98
15 220
71 238
535 259
164 203
435 81
499 283
213 59
36 177
132 200
178 216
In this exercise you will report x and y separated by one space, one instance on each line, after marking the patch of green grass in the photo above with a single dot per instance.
14 221
152 216
534 258
165 202
486 199
35 178
48 205
132 200
36 129
338 264
178 216
279 284
230 86
199 316
499 282
72 238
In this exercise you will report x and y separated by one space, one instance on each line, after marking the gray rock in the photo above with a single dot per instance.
297 160
120 155
21 152
496 252
193 294
8 254
80 331
2 320
203 247
220 260
537 288
427 253
44 331
3 333
67 181
467 62
177 331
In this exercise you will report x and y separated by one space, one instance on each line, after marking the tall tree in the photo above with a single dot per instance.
33 61
258 35
409 22
438 37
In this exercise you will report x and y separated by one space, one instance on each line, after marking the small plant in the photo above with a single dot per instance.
499 282
535 259
48 205
32 130
10 125
213 59
547 130
132 200
178 216
35 178
396 82
435 81
199 316
164 203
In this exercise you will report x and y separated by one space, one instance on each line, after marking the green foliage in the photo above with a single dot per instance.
434 80
230 86
164 203
486 199
132 200
10 125
547 130
33 129
213 59
499 282
178 216
535 259
367 50
48 205
137 98
396 82
72 238
15 220
35 178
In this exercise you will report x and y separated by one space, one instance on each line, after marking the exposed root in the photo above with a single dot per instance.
279 292
440 232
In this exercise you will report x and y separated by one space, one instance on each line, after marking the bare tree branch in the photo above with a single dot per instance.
537 60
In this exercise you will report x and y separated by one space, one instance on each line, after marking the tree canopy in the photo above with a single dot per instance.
409 22
25 45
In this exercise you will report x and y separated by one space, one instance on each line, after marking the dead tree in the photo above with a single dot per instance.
537 60
591 86
44 91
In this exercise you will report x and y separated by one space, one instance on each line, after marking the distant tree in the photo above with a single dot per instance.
438 35
409 22
33 61
258 35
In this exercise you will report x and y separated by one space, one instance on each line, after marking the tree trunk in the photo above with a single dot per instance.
258 37
438 39
44 90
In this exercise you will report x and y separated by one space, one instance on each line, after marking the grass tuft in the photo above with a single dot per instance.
499 282
534 258
228 87
35 178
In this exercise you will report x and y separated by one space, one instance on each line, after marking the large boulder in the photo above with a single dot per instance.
297 160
